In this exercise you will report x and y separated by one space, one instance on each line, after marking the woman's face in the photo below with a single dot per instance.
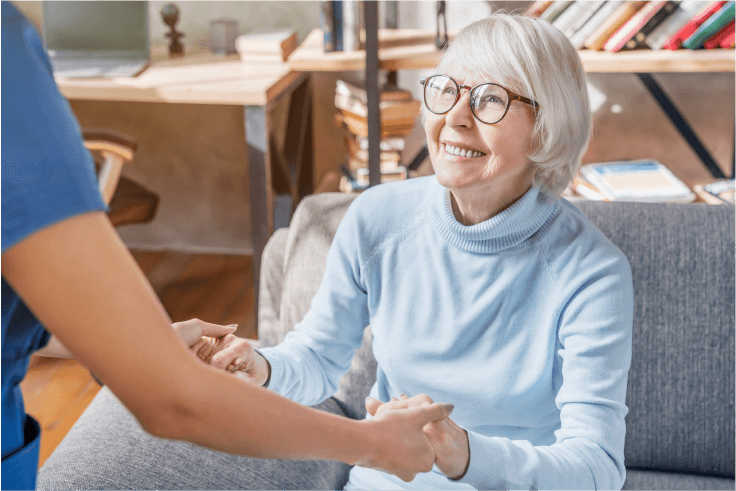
502 166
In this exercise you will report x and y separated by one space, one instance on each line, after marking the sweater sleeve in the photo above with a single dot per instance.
594 330
308 365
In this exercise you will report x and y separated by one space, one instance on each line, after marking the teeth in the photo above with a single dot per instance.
462 152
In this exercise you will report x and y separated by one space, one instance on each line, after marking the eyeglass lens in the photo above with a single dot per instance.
488 101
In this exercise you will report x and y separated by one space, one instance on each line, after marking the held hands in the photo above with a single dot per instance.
218 346
402 446
449 441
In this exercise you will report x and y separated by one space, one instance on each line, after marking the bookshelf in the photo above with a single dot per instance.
414 49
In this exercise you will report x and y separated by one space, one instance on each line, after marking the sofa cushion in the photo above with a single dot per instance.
107 449
681 383
638 479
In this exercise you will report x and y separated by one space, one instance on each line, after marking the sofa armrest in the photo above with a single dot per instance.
270 286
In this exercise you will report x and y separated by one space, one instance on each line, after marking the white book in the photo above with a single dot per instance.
673 23
578 39
586 13
350 25
639 180
555 10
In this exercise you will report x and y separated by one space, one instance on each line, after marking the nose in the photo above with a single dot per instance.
460 114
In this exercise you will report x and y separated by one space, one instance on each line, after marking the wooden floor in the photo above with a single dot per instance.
214 288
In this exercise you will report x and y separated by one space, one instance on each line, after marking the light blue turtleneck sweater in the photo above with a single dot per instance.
523 322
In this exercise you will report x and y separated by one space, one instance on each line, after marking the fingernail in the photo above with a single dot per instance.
232 325
448 407
368 398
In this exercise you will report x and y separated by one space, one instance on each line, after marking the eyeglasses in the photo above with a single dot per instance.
489 102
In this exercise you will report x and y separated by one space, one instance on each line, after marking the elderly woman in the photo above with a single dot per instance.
482 287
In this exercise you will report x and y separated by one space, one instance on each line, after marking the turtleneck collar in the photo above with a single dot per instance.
506 230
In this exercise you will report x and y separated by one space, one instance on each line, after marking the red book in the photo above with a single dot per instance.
675 41
714 41
729 41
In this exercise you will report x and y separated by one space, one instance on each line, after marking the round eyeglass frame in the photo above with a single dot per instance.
512 97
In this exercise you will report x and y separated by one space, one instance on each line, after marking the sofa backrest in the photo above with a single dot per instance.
681 382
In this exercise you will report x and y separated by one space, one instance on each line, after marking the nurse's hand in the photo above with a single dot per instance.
193 332
449 441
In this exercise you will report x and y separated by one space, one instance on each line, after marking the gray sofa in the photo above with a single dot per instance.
680 426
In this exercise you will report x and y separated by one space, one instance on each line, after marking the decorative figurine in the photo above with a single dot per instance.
170 16
441 41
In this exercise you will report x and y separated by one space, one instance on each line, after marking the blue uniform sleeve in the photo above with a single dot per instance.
47 173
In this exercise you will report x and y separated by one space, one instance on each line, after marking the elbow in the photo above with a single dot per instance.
171 416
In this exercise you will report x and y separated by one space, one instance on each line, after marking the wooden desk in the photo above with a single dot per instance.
217 80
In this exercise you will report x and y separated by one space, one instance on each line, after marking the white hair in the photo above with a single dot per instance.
536 60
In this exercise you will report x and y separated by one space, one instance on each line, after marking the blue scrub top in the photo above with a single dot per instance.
47 176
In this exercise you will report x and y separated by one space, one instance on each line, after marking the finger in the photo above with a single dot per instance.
198 345
372 405
208 349
216 330
403 396
393 405
227 356
433 412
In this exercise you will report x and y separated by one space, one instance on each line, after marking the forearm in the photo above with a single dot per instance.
577 463
54 349
259 422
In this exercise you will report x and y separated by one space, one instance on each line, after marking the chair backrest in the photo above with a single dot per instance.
681 382
116 150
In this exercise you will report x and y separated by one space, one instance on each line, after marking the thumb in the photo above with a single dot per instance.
216 330
372 405
433 412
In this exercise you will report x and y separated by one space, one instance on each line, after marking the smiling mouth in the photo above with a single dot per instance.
462 152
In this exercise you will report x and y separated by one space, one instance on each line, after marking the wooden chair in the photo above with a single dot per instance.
129 202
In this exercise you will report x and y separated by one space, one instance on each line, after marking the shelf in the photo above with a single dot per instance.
413 49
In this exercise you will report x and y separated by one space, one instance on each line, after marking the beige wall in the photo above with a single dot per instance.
192 155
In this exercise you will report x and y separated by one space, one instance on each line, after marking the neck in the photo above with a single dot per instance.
471 207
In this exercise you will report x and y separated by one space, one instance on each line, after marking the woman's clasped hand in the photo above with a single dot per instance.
449 441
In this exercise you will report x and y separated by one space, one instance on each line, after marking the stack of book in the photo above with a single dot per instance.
717 193
639 180
399 112
614 26
266 46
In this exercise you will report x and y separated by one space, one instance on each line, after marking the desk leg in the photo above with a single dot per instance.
261 193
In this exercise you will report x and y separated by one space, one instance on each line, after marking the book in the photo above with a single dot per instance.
569 16
692 25
358 125
715 41
583 188
337 24
586 13
624 33
359 93
325 21
581 35
624 12
659 16
728 42
711 26
536 8
390 110
717 193
350 25
673 23
279 42
386 145
640 180
552 12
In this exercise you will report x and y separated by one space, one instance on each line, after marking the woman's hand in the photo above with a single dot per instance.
401 445
193 330
449 441
233 354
